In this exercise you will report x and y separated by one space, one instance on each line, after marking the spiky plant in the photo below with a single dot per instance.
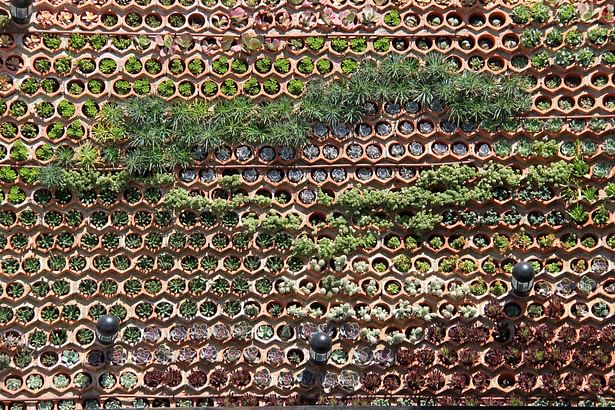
87 156
52 177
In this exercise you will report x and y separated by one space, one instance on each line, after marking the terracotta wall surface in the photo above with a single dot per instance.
213 313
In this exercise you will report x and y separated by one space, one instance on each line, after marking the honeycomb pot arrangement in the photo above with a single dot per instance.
228 178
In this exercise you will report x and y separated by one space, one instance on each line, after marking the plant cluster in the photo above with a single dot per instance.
149 136
434 82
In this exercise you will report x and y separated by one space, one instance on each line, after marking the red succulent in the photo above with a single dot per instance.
371 381
481 380
434 380
197 379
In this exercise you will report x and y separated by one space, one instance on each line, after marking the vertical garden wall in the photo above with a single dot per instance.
227 178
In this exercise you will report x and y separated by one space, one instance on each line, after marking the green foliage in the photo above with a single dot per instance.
179 198
469 96
443 186
557 173
578 214
56 177
19 151
148 135
230 182
8 174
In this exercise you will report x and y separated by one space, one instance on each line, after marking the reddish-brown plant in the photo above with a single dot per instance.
447 356
587 335
241 377
413 380
526 381
512 355
494 310
481 380
596 383
494 357
371 381
425 357
391 382
218 378
404 357
573 382
468 357
550 382
555 309
172 377
543 333
197 378
434 380
153 378
567 335
557 355
459 381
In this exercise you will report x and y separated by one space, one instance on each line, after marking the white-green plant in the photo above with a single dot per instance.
360 266
412 286
448 311
372 336
457 291
330 286
339 263
395 337
403 310
380 313
317 264
315 313
341 312
297 311
435 287
371 288
287 285
416 334
364 313
307 288
468 311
